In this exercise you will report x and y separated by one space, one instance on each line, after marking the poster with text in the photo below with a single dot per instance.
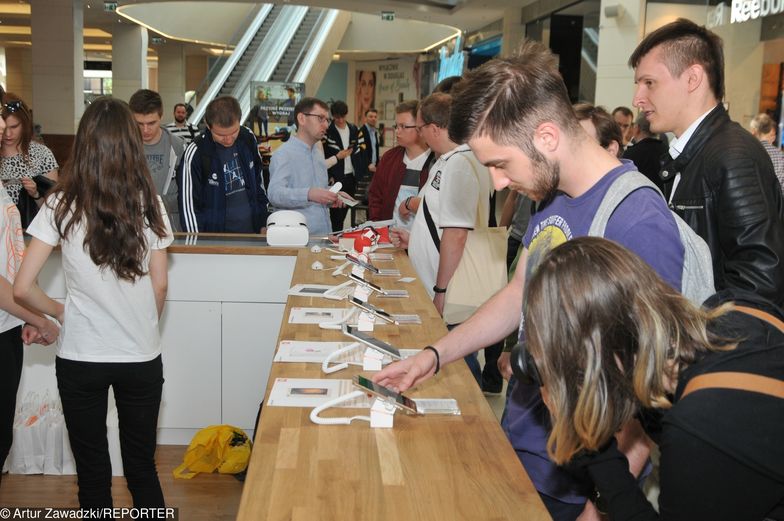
272 105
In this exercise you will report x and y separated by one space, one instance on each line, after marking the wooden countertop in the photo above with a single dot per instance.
233 244
426 467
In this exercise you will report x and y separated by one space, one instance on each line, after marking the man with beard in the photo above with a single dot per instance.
516 116
180 126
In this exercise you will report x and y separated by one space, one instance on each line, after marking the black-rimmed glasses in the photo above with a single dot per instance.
401 126
321 119
419 128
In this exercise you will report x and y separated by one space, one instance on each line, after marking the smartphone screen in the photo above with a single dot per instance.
361 263
360 280
375 343
370 308
402 402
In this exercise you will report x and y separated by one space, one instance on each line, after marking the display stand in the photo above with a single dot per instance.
382 414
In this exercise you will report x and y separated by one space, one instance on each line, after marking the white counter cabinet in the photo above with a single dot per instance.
219 330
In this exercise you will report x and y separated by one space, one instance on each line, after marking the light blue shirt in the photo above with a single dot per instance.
295 168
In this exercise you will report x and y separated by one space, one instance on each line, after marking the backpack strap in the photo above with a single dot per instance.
431 226
737 380
619 190
762 315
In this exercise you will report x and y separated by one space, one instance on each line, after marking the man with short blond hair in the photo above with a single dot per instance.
401 172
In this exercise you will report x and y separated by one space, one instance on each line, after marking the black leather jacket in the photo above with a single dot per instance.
728 193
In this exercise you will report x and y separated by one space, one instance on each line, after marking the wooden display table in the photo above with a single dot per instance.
440 468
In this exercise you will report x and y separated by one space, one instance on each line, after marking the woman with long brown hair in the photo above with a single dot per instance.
113 232
608 340
24 159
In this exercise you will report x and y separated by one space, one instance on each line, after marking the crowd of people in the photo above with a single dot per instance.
608 347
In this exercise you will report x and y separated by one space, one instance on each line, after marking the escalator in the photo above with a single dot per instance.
280 44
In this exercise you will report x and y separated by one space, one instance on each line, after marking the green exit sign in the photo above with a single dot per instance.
388 16
110 7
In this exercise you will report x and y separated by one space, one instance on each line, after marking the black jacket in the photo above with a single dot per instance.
728 193
333 144
647 157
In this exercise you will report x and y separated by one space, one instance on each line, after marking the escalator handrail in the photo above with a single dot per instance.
230 63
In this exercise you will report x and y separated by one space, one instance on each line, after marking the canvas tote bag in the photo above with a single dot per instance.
482 269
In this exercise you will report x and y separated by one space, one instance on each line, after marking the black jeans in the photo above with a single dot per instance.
338 215
11 360
84 388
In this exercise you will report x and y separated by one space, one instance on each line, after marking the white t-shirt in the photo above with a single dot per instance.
106 319
11 251
453 195
345 134
409 186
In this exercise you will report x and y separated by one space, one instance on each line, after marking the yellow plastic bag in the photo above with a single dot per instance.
219 447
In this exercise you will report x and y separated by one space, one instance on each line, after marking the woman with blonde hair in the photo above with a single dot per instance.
608 341
113 231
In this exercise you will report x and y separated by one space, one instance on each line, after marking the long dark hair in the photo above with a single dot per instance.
106 186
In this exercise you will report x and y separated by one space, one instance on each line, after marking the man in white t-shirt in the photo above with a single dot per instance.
458 187
455 197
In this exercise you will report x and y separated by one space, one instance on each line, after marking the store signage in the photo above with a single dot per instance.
745 10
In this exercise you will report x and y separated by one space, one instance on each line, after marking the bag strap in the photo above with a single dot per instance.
737 380
431 226
762 315
619 190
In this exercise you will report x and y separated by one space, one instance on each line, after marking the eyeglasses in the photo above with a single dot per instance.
419 129
321 119
401 126
11 107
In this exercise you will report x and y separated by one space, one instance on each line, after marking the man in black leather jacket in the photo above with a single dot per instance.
724 185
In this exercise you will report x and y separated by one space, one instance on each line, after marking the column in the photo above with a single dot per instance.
129 60
57 64
171 76
513 31
619 34
19 72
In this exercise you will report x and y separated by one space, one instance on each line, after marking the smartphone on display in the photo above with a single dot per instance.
370 308
401 402
367 284
362 264
375 343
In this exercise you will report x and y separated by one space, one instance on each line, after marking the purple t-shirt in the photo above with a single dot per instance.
643 223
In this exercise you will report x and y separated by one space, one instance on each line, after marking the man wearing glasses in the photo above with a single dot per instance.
401 172
298 170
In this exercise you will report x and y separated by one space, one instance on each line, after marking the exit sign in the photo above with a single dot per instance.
110 7
388 16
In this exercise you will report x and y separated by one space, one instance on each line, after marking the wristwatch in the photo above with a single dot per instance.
439 290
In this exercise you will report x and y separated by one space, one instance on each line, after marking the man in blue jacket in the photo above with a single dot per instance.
221 188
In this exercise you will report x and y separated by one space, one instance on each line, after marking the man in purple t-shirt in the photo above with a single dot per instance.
516 116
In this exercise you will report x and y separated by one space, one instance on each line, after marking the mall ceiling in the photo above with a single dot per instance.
99 24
